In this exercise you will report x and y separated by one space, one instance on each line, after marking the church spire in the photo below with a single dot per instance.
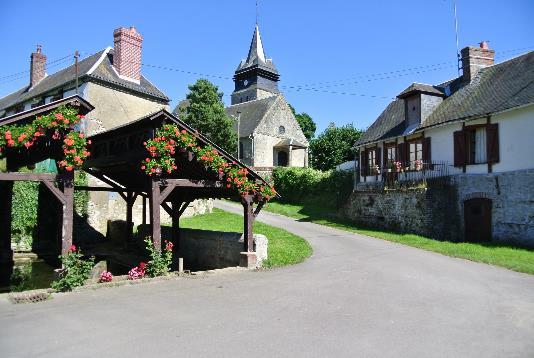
256 54
256 76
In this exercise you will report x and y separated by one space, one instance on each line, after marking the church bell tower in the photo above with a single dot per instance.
256 77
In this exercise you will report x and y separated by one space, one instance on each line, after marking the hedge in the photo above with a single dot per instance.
306 185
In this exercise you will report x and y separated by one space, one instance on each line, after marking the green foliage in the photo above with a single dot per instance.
75 271
81 198
160 262
284 247
205 112
306 123
334 146
24 212
306 185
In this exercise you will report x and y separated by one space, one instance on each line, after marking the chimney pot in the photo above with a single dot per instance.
484 45
127 52
37 66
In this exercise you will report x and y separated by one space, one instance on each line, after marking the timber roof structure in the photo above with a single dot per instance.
496 88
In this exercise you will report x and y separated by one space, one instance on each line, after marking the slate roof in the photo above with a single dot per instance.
496 88
252 112
102 73
421 88
256 55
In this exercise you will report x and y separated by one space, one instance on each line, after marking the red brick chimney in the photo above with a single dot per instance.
37 66
475 58
127 52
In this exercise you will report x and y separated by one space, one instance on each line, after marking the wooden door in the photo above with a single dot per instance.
477 216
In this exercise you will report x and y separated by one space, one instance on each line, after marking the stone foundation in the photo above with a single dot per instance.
208 250
437 211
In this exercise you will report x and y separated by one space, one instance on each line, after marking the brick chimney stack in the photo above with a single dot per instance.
476 58
37 66
127 52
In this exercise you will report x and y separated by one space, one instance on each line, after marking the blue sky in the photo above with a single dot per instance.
340 61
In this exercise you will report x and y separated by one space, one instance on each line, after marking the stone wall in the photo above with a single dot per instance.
438 211
207 250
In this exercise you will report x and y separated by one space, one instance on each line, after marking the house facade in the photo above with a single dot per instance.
111 80
269 134
466 144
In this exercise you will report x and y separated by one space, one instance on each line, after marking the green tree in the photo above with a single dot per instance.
306 123
205 112
334 146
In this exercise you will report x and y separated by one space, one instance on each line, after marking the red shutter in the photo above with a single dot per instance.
492 142
401 152
459 149
426 151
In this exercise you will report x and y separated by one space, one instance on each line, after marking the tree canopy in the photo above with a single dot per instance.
334 146
205 112
306 123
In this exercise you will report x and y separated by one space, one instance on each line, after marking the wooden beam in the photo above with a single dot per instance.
129 214
188 183
108 181
155 212
182 209
60 195
248 219
258 208
104 188
68 213
28 176
167 209
166 192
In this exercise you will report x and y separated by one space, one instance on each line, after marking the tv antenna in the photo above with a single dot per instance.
458 59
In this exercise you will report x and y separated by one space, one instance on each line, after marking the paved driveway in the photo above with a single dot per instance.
355 297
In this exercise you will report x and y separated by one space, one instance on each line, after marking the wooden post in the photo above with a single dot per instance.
144 210
248 218
130 200
68 212
6 254
176 224
155 219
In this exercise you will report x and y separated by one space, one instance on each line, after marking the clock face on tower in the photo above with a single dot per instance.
245 82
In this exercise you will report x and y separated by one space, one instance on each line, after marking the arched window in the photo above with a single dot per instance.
281 130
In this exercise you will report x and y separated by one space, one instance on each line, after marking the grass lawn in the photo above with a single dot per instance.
284 247
513 258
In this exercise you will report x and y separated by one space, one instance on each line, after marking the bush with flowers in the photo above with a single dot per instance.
137 272
170 139
75 270
105 276
160 262
57 126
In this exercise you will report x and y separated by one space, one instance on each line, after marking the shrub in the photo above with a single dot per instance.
75 270
160 262
306 185
105 277
137 272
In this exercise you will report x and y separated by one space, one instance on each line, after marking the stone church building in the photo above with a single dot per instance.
269 134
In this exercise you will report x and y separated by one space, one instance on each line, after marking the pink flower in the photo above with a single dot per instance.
106 277
72 248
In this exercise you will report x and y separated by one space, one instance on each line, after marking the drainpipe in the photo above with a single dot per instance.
251 137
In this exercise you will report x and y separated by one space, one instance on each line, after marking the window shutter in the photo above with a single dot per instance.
378 157
492 142
459 148
363 162
401 151
426 150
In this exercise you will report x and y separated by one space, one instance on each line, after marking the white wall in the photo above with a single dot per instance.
516 139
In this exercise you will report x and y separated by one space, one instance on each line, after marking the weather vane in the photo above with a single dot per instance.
256 12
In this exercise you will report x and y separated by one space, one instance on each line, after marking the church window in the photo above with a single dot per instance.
281 130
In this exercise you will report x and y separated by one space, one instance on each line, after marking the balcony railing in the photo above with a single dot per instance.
396 175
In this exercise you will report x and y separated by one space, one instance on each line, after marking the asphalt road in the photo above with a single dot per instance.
355 297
